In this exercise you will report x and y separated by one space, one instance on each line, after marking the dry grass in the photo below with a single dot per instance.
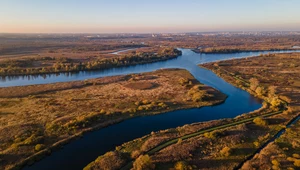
281 71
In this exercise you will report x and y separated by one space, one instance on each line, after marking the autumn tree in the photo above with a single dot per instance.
143 162
271 91
260 122
182 165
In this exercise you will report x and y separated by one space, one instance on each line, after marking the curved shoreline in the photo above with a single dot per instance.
59 144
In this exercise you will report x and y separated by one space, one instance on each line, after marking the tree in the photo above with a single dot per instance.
260 122
253 83
226 151
143 162
181 165
272 91
39 147
275 102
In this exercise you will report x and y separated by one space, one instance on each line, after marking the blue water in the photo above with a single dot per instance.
187 61
79 153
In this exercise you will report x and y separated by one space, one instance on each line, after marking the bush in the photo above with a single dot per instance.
260 122
143 162
39 147
275 102
226 151
256 144
111 160
297 162
210 135
276 163
145 102
182 165
296 156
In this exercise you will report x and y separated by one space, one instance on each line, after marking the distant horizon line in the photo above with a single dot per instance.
143 32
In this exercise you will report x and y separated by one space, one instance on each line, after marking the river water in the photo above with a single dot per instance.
80 152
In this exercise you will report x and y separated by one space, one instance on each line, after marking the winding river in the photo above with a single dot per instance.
80 152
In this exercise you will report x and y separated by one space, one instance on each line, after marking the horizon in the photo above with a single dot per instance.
119 17
147 33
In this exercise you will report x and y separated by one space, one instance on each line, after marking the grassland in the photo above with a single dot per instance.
36 119
280 70
228 143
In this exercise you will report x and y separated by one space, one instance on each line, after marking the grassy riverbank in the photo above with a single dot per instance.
37 119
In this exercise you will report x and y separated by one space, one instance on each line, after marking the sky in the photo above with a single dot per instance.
147 16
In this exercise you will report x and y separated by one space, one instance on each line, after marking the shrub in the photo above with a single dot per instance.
39 147
183 81
275 162
182 165
296 156
275 102
162 104
210 135
260 122
145 102
111 160
226 151
143 162
256 144
297 162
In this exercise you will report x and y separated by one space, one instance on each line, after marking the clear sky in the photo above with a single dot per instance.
123 16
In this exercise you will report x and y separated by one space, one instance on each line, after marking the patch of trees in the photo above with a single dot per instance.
143 162
272 98
260 121
220 50
197 94
111 160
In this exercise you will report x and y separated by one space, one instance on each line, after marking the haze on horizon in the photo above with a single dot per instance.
135 16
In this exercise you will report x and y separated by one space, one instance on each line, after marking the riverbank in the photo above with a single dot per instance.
232 51
39 118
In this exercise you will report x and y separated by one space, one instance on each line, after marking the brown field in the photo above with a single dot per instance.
281 71
35 119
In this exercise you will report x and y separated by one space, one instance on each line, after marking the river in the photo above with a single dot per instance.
80 152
